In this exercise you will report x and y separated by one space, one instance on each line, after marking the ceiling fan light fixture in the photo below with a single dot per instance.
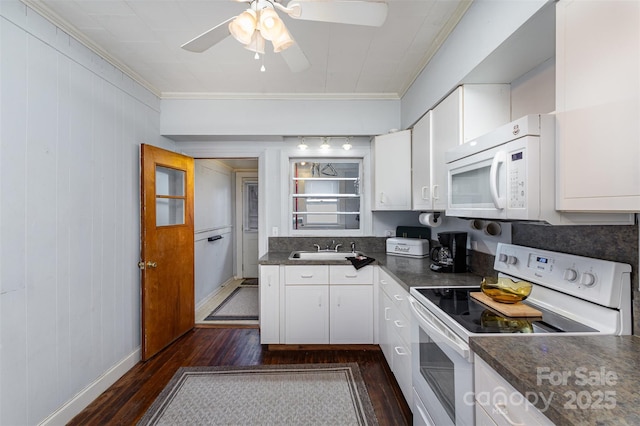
244 26
256 44
282 41
270 24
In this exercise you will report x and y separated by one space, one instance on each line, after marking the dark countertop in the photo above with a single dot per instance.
613 397
409 272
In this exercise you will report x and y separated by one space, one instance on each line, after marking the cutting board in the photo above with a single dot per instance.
509 309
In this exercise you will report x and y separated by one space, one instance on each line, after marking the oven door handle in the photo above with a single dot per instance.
437 328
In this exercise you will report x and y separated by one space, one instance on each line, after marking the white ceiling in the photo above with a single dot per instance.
347 61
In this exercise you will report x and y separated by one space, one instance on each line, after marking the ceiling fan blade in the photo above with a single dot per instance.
209 38
367 13
295 58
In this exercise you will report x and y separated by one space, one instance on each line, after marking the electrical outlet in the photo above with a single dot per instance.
474 245
274 231
389 233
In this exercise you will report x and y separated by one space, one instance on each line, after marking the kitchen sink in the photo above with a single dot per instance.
322 255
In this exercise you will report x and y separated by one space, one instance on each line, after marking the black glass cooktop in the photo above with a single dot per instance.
478 318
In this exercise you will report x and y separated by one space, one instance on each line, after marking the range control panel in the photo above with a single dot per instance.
596 280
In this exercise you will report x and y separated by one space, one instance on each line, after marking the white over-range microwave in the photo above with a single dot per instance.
509 174
506 174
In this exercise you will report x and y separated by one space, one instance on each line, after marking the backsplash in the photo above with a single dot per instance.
364 244
610 242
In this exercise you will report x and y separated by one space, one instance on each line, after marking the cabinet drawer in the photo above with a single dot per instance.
306 274
400 325
347 274
398 295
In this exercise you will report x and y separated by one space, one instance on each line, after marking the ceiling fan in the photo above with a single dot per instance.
261 22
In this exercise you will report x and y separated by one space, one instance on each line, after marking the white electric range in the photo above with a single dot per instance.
576 295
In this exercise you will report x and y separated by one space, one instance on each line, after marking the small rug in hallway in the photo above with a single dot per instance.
318 394
242 304
250 281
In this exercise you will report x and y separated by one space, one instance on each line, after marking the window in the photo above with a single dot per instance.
325 194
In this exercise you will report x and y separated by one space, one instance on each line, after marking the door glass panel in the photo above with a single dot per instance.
251 206
169 181
439 372
170 196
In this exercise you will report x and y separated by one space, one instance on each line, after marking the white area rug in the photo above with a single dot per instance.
306 394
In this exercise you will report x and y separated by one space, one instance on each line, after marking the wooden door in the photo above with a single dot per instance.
167 248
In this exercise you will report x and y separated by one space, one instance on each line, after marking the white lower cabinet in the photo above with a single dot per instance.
328 304
269 290
395 331
307 314
499 403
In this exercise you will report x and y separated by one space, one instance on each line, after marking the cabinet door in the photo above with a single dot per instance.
392 171
597 104
447 133
351 314
421 166
269 304
307 314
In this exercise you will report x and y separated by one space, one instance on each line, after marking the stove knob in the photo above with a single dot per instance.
570 275
587 279
512 260
502 258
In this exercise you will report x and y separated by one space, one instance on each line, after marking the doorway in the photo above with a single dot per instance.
247 224
226 238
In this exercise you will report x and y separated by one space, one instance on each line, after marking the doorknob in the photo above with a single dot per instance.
149 264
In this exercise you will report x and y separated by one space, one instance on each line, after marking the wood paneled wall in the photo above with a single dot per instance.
69 214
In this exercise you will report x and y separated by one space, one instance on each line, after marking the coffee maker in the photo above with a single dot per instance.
451 256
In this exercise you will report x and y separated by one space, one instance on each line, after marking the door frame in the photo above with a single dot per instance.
239 218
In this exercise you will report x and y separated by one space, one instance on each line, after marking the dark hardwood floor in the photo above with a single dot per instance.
125 402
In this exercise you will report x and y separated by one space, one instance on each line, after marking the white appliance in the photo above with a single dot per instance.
505 174
410 247
510 174
576 295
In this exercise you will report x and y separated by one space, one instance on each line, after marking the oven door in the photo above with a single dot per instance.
442 366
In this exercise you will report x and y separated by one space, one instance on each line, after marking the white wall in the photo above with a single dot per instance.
483 28
214 201
281 117
69 218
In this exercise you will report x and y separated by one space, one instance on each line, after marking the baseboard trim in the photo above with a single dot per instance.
79 402
211 295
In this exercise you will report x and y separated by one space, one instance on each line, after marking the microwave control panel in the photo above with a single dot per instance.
517 174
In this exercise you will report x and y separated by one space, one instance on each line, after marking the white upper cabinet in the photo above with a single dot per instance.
598 106
469 111
421 163
392 171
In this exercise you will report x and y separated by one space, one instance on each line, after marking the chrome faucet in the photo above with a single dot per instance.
337 247
353 247
317 246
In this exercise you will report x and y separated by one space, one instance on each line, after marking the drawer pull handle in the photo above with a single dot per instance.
386 314
398 323
400 350
383 282
306 275
504 412
398 297
351 276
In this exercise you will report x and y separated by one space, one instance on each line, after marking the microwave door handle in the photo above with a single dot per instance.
499 158
441 330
